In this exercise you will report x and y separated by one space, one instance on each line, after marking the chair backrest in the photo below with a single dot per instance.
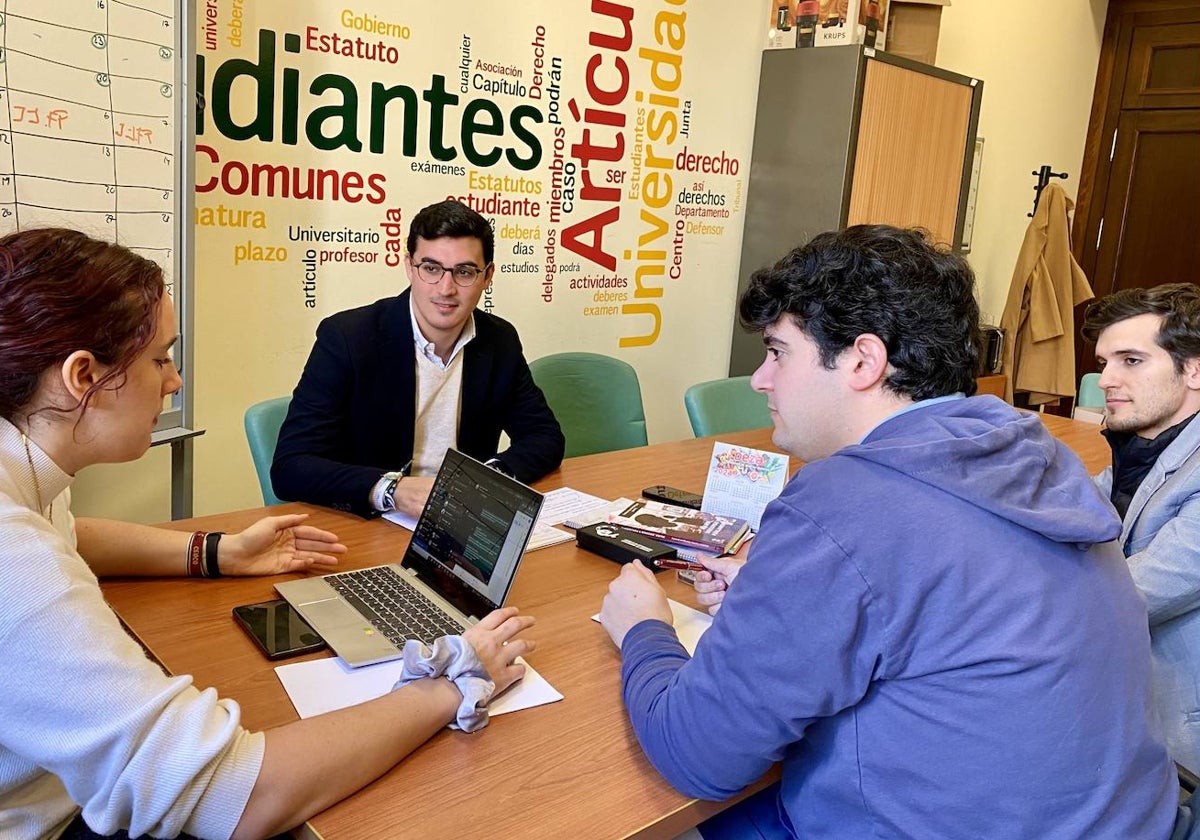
1090 394
262 422
596 399
725 405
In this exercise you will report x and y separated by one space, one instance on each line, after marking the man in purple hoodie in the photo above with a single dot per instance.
932 633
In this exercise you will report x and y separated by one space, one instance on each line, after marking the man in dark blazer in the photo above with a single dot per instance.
389 386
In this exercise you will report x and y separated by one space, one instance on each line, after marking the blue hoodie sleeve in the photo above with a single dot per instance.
798 638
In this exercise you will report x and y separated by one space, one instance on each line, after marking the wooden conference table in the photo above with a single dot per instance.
571 769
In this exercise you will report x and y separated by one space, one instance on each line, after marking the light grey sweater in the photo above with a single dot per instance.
86 720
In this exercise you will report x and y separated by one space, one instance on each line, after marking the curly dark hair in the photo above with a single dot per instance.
883 280
1177 303
451 218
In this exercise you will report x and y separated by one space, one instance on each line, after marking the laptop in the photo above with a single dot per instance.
459 566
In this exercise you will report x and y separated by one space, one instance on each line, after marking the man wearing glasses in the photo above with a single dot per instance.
390 386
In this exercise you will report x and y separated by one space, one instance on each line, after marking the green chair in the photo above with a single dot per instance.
596 399
725 405
262 422
1090 393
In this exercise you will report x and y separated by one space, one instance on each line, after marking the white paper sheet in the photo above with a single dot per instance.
689 624
401 519
563 503
324 685
544 535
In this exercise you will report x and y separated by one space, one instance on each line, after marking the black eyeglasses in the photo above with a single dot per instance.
463 275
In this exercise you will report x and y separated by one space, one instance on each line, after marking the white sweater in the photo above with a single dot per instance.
86 720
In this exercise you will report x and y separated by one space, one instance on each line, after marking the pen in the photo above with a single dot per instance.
679 564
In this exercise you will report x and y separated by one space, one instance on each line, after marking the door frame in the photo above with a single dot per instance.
1092 197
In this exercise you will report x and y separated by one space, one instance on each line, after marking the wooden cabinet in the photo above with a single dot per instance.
848 135
993 384
911 154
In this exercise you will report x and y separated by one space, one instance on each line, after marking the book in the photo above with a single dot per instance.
742 481
682 526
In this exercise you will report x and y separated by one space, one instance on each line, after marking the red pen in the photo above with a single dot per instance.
679 564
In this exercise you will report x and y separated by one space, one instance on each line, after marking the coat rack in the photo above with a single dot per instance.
1043 175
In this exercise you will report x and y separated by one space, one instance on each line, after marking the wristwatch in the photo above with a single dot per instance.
384 498
498 466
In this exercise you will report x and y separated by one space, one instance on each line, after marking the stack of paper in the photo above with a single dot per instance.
559 508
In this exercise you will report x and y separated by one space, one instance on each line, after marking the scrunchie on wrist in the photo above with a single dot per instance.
452 657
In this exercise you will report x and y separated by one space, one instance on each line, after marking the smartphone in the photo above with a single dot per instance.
277 629
673 496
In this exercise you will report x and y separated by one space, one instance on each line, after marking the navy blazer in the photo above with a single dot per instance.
353 412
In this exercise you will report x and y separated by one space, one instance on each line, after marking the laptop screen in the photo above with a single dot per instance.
472 533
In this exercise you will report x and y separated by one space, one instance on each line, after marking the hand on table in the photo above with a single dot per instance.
277 544
633 597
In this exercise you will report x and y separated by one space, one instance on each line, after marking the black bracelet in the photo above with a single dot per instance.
211 569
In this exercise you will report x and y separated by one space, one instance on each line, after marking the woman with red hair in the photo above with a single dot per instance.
93 736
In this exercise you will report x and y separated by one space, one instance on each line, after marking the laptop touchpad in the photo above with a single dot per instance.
332 612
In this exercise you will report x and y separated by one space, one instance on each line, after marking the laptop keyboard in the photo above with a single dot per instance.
397 609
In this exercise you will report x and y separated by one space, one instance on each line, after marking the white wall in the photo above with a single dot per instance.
1038 62
139 492
1037 59
253 330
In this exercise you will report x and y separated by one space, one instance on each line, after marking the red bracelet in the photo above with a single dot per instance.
195 555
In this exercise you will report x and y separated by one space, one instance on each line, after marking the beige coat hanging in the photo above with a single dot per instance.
1039 321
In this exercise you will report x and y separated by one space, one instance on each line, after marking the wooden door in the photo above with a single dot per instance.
1151 222
1137 218
1164 65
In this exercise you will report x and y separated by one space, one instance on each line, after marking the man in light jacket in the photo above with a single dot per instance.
1148 347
